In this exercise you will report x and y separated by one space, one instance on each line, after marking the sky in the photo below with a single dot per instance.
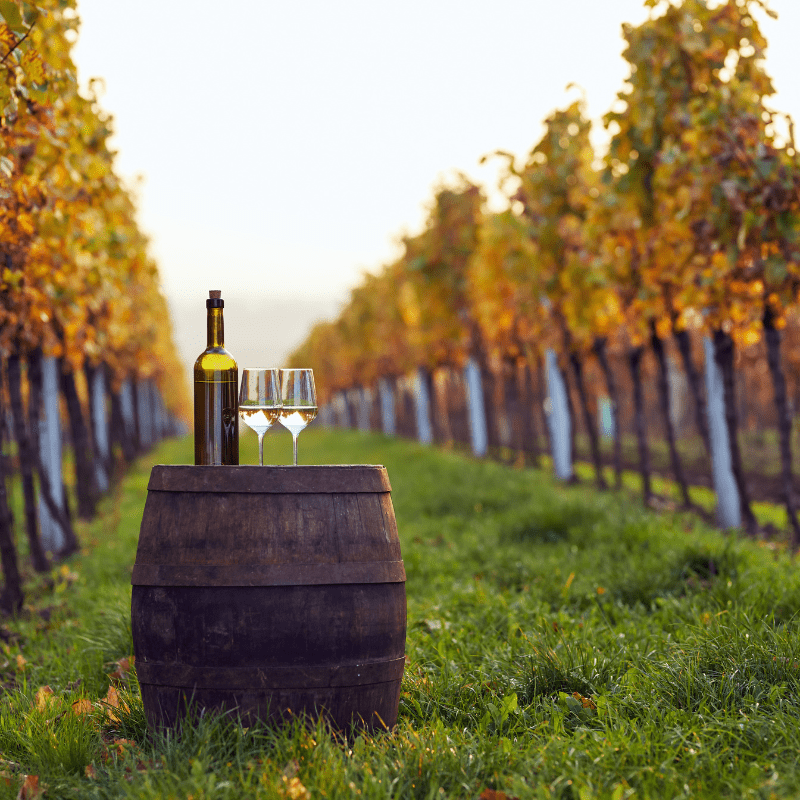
285 147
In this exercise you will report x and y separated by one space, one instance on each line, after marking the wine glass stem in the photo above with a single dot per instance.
294 447
261 449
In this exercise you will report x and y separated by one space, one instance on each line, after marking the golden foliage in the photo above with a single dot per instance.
77 279
689 221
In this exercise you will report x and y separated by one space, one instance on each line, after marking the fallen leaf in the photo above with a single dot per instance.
117 747
124 666
82 707
67 575
294 789
30 789
112 704
44 698
122 744
90 771
586 702
493 794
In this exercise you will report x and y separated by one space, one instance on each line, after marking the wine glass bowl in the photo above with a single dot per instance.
299 402
260 402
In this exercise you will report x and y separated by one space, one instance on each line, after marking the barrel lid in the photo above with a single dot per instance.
253 479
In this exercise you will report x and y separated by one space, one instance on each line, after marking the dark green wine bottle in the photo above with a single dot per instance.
216 394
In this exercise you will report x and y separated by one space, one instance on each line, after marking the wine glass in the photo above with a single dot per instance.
299 402
260 402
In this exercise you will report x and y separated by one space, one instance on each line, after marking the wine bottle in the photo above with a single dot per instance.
216 396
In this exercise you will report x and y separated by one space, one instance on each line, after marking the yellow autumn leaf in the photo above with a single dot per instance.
7 38
750 337
82 707
409 307
586 702
33 67
293 789
44 698
25 224
64 572
96 169
663 327
719 262
112 704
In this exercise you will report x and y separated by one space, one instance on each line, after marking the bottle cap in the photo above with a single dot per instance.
215 299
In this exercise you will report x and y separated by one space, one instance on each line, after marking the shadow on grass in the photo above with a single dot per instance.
689 570
569 520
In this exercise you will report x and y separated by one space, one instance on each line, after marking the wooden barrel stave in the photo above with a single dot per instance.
329 526
261 626
373 706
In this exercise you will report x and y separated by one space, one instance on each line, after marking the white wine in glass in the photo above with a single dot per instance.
299 402
260 402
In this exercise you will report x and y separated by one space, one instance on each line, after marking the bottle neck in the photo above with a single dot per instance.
216 328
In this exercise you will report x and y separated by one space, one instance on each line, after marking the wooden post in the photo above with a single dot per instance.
386 395
728 514
53 535
364 401
11 596
144 414
558 418
27 462
422 405
478 434
128 415
95 380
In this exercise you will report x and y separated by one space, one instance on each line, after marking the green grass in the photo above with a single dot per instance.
683 644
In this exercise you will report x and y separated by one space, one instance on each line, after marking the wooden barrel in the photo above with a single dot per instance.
270 590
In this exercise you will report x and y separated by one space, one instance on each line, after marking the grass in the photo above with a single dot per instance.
760 453
561 643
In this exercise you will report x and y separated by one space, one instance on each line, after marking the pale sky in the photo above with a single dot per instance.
286 145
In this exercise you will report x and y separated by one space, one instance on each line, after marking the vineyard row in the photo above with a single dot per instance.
83 322
676 252
106 428
525 418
